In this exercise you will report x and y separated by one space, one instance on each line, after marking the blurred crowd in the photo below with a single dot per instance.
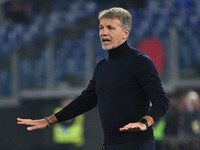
22 11
16 11
180 128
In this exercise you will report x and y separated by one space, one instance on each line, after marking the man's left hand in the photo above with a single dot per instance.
138 126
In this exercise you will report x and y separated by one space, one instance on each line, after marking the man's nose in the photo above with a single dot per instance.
104 32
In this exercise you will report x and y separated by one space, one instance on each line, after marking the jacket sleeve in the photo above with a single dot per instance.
151 84
86 101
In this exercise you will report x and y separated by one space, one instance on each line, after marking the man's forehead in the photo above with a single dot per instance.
110 21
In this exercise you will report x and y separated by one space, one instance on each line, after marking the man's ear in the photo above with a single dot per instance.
126 33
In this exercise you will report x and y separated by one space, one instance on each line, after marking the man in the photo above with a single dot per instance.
123 85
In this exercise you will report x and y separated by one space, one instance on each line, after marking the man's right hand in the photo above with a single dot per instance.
33 124
36 124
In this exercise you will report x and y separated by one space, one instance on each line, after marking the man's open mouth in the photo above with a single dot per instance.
106 40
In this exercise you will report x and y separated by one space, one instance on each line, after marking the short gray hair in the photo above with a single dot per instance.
117 12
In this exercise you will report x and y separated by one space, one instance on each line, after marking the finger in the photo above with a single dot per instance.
31 128
121 129
130 127
35 127
23 120
27 122
20 119
125 128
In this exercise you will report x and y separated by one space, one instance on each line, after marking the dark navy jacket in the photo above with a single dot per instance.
126 87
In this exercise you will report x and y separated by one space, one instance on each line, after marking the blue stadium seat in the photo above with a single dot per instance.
33 72
5 83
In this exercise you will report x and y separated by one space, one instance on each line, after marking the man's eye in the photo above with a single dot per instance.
110 28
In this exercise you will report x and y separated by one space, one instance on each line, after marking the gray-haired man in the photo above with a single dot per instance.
123 86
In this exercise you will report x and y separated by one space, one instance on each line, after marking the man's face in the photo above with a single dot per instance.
111 33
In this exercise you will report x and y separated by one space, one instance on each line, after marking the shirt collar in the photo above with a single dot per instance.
120 50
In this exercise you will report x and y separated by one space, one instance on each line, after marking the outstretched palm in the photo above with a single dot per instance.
33 124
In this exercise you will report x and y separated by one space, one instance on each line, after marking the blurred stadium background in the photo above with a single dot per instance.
49 48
